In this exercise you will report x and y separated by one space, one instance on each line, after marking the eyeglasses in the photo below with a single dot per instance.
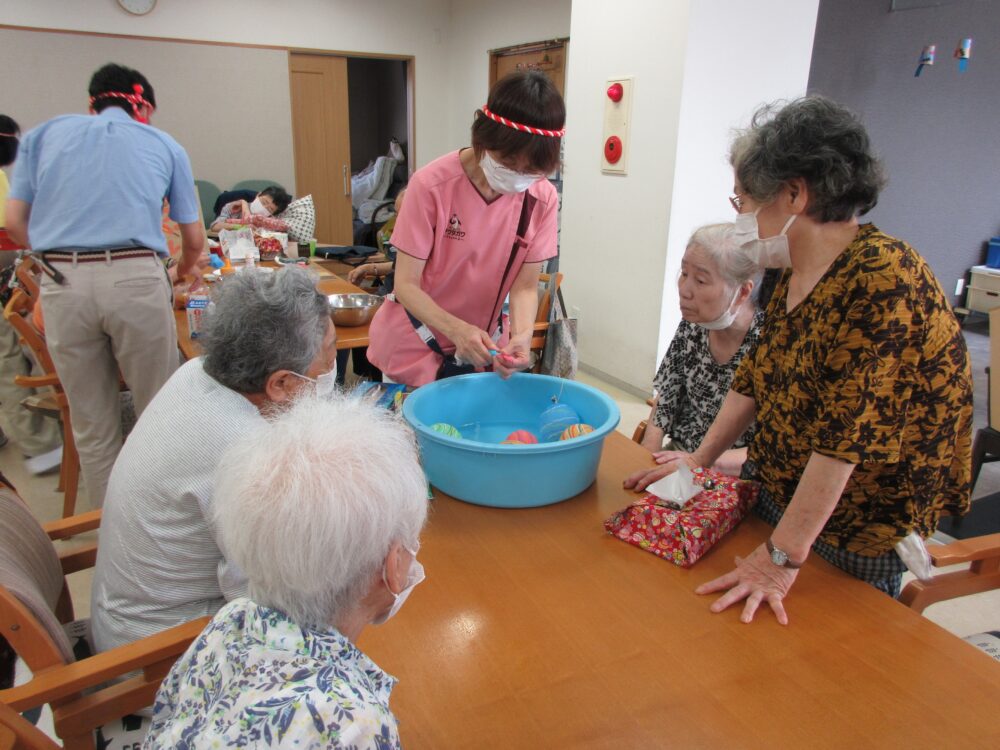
736 201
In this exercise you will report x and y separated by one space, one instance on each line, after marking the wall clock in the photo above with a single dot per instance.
137 7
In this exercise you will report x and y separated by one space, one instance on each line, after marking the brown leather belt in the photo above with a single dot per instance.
97 256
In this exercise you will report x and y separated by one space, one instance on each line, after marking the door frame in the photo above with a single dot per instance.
411 88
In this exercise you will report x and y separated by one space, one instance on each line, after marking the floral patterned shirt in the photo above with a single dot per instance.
254 678
691 386
871 369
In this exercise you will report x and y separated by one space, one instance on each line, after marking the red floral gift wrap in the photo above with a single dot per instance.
684 535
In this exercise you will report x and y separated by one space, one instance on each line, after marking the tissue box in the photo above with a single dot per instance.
683 536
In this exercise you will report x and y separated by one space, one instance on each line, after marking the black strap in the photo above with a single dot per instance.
524 220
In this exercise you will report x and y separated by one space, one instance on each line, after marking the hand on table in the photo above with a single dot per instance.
755 579
358 274
188 275
472 345
667 457
641 479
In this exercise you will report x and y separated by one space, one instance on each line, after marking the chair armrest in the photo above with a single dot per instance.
78 559
73 525
966 550
67 680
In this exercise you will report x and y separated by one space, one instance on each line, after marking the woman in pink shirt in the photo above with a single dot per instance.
477 225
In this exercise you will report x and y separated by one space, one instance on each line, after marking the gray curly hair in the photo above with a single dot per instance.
817 140
262 323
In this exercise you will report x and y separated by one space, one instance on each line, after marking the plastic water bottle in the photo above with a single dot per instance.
250 262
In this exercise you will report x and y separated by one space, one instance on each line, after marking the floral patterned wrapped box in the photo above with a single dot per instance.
684 535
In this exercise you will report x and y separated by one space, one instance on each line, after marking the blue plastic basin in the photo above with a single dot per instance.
486 409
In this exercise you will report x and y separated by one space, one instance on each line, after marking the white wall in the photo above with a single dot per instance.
614 228
700 68
477 26
741 54
207 96
401 27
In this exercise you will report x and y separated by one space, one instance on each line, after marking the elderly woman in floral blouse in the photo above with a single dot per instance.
720 324
328 547
860 384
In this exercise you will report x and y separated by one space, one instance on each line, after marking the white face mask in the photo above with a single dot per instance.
769 252
257 208
503 179
726 319
326 384
413 577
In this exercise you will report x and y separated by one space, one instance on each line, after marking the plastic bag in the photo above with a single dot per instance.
238 243
270 244
913 552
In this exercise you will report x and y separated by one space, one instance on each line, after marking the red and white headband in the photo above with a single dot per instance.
519 126
137 100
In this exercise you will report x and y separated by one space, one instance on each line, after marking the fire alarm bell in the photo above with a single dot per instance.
613 149
617 124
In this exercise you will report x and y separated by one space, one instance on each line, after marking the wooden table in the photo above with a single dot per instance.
536 629
329 283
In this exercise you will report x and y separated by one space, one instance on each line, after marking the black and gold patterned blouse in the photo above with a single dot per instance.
870 368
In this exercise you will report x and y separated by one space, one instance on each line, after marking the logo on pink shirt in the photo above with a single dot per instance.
454 230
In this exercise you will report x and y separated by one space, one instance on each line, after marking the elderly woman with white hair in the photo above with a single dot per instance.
328 546
720 324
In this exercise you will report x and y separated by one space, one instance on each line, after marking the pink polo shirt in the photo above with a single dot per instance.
466 243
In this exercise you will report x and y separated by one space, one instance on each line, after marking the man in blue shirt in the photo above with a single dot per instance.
88 195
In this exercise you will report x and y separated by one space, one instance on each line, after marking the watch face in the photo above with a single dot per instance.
778 557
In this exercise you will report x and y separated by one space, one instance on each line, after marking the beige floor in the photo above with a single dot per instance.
963 617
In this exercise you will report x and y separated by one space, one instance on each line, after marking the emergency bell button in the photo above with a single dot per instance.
615 92
613 149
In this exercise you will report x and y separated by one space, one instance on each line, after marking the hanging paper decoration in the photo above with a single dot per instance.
962 54
926 58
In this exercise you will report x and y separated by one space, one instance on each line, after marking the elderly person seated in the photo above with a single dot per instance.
259 212
328 545
860 383
720 325
160 563
273 209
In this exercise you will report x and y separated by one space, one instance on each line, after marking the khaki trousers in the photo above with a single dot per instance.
108 316
35 434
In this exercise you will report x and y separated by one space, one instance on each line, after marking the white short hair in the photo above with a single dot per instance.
736 266
308 504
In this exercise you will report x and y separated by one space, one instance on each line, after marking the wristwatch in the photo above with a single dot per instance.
780 558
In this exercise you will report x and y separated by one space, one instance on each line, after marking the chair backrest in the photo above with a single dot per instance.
17 733
32 585
18 314
27 273
208 193
256 185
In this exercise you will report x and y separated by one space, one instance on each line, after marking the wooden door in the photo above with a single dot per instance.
321 139
546 57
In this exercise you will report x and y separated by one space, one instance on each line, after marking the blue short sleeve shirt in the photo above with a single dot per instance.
99 181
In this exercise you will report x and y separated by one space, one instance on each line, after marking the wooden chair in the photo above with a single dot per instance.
17 733
640 429
983 574
35 603
18 314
